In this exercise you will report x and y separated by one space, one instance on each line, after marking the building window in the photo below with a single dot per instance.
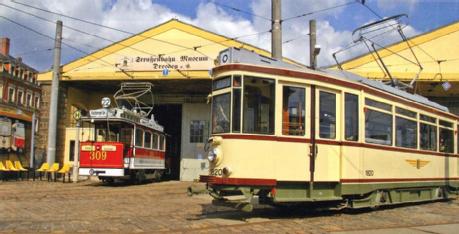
20 97
327 115
293 111
258 105
197 131
37 101
351 117
1 91
29 99
11 93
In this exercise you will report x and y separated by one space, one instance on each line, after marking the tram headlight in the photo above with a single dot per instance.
212 155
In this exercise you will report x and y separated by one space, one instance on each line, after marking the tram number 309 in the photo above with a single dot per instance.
97 155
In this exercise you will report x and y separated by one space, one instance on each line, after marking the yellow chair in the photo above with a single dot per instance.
44 167
10 167
18 165
3 170
53 169
65 170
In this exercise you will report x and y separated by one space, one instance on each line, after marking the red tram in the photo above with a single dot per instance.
125 145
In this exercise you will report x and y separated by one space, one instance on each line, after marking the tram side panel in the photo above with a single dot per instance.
389 169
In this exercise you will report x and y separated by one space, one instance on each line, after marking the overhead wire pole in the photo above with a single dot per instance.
52 122
276 34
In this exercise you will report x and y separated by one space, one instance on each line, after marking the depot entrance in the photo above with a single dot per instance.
170 117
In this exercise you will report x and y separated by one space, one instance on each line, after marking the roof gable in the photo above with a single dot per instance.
170 40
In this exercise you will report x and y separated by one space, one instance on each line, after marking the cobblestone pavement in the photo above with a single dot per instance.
27 206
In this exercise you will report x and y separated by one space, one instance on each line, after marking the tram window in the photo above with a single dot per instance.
221 83
293 111
428 135
327 115
378 127
236 110
138 137
446 140
147 140
155 141
161 142
406 133
405 112
380 105
237 81
221 113
428 118
445 123
126 136
258 112
351 117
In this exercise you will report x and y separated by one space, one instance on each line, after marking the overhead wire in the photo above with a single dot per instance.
101 25
380 17
35 50
239 10
318 11
49 37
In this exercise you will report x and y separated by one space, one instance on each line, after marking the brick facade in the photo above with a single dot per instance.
62 119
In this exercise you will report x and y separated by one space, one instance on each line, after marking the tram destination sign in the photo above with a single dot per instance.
162 62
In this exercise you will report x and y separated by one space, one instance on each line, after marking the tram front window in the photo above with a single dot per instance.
258 102
112 132
221 113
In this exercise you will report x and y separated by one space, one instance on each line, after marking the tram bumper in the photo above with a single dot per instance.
105 172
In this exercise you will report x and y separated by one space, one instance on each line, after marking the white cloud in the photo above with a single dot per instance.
138 15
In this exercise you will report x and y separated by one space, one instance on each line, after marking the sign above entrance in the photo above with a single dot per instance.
165 62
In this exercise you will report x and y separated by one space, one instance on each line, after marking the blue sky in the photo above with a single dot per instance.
334 26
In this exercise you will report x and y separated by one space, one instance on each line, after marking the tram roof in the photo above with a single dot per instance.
386 88
235 55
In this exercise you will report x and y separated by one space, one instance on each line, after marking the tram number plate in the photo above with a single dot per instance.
97 155
216 172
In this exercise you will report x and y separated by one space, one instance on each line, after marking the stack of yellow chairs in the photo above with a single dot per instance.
43 169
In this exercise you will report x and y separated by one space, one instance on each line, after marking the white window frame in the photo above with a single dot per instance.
11 98
30 102
20 98
36 100
1 91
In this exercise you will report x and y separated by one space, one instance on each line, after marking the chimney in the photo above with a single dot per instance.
5 46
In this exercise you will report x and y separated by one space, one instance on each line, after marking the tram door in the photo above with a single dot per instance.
325 133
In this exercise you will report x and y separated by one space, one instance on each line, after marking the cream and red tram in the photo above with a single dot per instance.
125 145
284 134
